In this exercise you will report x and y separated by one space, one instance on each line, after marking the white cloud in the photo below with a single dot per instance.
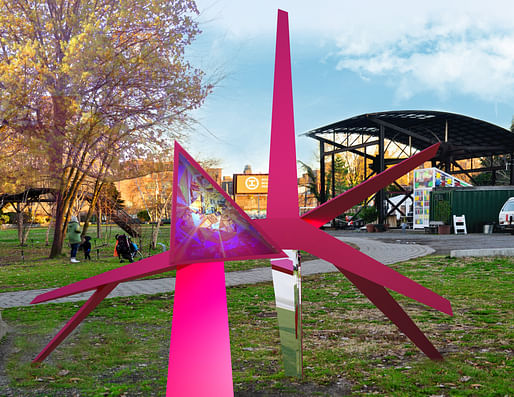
464 47
481 66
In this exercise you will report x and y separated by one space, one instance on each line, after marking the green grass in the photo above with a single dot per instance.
33 269
349 346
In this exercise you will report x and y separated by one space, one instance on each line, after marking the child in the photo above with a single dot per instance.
404 225
86 246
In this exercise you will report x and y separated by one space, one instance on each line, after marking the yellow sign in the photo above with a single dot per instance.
251 183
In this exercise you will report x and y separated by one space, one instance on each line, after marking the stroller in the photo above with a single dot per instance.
126 248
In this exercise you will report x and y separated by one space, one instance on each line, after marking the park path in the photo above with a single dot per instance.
386 253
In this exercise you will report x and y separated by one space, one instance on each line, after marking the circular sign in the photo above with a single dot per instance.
251 183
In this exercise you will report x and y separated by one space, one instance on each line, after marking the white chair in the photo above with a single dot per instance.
459 224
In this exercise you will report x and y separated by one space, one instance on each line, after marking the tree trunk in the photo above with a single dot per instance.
156 233
62 207
52 222
32 213
26 230
59 225
99 222
92 205
19 222
159 214
48 231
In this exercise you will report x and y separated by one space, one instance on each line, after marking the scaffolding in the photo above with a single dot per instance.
383 139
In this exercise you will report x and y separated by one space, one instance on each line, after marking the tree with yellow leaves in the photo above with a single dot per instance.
84 82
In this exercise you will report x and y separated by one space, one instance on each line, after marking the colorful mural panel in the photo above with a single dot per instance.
207 226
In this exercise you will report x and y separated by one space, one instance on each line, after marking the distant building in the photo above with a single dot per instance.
143 191
227 185
255 202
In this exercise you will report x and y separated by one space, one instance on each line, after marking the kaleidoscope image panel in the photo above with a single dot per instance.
208 225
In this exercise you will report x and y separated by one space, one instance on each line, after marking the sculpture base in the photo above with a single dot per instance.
200 362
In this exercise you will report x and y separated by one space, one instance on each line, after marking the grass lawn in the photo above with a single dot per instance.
121 349
28 267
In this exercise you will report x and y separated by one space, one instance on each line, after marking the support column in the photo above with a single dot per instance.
448 165
322 172
333 175
334 164
365 160
493 172
512 168
381 167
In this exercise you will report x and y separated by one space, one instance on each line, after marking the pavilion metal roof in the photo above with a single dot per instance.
465 137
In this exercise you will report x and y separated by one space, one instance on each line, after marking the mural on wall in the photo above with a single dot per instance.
425 180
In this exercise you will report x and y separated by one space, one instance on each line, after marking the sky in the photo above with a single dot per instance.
348 58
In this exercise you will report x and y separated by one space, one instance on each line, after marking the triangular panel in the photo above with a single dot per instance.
207 224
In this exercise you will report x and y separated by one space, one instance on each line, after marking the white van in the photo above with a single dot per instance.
506 216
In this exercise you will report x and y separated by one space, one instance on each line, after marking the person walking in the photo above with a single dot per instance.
74 238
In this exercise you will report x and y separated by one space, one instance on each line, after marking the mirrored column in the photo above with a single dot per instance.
288 298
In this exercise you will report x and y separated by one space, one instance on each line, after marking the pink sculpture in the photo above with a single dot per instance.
210 230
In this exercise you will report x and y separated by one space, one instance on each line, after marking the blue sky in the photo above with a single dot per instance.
347 59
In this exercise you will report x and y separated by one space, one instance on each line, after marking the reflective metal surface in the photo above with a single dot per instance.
288 299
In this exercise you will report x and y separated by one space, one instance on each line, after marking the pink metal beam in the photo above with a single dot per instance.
379 296
83 312
146 267
360 270
200 362
332 208
285 227
297 234
282 185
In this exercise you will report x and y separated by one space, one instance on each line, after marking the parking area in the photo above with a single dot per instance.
442 244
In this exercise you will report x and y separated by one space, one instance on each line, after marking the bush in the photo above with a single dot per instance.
4 219
442 211
13 217
369 214
42 219
143 216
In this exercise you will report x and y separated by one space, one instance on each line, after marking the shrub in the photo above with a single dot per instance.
42 219
369 214
442 211
143 216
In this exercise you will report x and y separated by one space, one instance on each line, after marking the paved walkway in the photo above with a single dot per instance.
442 243
386 253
